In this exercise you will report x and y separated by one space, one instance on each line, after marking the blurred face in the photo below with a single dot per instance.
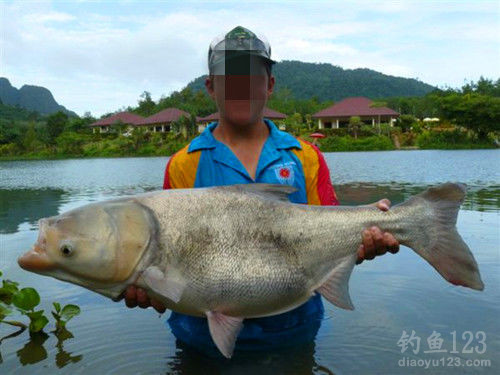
240 89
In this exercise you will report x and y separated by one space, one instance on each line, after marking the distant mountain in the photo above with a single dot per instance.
33 98
11 113
329 82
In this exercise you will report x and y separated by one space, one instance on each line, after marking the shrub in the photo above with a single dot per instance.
454 139
340 132
374 143
405 122
71 143
9 149
147 150
367 130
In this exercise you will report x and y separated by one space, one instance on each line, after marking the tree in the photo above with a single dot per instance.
309 121
56 124
186 125
81 124
483 86
354 125
405 122
146 104
29 137
139 136
192 127
477 112
378 104
71 143
10 131
118 127
294 123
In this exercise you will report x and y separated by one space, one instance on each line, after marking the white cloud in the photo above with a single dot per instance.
49 17
101 61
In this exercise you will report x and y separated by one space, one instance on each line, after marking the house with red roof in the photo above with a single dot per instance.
162 121
337 116
126 118
271 114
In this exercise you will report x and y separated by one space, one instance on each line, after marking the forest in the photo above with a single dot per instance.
469 117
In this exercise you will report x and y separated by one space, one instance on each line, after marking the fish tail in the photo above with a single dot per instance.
436 238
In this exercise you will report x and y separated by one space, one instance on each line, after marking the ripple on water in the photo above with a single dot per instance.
391 294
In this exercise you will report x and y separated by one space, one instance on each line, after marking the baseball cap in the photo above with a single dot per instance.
240 51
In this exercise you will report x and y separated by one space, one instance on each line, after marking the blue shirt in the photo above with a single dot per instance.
207 162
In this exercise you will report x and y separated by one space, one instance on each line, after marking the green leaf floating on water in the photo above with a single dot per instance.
38 323
69 311
35 314
10 285
26 299
4 311
8 289
57 306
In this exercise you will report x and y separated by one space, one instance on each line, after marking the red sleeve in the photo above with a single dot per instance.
166 179
326 192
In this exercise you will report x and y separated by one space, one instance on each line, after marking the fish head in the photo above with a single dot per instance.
97 246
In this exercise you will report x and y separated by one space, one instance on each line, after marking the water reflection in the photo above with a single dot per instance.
33 351
478 198
18 206
26 205
63 357
291 360
365 338
29 205
11 335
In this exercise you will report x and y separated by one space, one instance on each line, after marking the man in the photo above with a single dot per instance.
242 147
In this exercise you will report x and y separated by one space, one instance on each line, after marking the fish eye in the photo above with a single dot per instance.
66 250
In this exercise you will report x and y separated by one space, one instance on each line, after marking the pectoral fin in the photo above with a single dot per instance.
336 287
169 285
224 330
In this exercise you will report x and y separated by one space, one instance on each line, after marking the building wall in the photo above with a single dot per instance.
342 122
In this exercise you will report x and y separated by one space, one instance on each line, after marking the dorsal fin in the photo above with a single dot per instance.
270 191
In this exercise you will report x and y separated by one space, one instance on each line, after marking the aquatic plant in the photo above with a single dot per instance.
64 315
25 301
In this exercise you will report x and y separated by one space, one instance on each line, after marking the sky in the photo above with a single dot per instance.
99 56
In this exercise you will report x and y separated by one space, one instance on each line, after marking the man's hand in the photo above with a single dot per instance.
138 297
375 242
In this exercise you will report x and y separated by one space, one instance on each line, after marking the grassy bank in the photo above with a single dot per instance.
76 145
392 138
451 140
347 143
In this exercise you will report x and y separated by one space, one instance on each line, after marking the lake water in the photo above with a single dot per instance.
392 294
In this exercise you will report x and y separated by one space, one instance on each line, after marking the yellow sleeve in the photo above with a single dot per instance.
180 172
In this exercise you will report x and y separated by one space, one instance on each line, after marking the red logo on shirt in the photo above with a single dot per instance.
284 172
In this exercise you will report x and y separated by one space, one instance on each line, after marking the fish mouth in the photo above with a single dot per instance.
37 260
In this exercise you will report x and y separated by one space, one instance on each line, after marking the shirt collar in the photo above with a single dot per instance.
278 139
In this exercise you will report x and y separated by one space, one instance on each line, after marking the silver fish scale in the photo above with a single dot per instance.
246 255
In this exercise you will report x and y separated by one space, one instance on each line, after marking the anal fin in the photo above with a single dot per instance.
336 287
224 330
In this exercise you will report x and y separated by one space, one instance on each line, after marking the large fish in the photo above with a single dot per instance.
240 251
